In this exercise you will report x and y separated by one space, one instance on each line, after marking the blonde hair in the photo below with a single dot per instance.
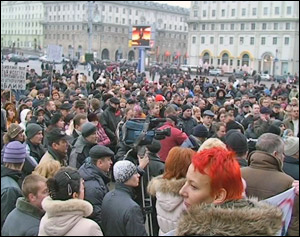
212 142
47 169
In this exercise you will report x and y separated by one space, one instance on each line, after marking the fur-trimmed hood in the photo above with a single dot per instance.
243 217
62 216
166 192
159 184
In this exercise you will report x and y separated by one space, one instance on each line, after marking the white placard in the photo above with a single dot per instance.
54 53
13 77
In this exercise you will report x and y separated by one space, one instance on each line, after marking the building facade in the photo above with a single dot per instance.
21 24
66 24
247 35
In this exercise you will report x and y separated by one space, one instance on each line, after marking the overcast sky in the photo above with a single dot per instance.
185 4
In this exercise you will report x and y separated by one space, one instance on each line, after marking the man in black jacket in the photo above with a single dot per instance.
95 175
109 121
121 215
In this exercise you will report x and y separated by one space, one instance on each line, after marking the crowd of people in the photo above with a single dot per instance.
232 145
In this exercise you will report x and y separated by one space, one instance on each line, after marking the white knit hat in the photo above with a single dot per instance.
124 170
291 146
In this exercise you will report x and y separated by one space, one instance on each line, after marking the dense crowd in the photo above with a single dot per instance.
62 147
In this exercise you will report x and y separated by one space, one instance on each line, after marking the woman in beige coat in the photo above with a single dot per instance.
65 208
169 204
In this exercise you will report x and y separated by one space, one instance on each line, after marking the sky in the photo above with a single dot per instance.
185 4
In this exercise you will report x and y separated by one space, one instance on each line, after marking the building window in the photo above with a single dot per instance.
241 40
222 27
223 12
213 13
195 13
202 40
195 26
231 40
286 40
265 11
264 26
252 26
117 10
211 40
221 40
123 21
203 27
225 59
274 40
204 13
276 10
253 11
263 40
242 26
275 26
243 11
232 12
194 39
117 20
231 26
124 10
289 10
110 8
212 26
287 26
252 41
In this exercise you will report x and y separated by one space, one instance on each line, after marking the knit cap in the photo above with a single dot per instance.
88 129
32 129
291 146
14 152
124 170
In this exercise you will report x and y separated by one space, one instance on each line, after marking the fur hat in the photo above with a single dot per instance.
291 146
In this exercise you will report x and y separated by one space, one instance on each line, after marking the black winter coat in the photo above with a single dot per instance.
121 215
95 183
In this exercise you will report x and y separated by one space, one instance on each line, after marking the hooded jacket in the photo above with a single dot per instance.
10 191
23 116
67 218
169 204
242 217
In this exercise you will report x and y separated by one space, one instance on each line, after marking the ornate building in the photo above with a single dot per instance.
21 24
66 24
248 35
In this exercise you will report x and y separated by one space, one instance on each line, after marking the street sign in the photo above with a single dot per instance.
13 77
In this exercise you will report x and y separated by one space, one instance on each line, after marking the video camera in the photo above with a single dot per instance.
140 132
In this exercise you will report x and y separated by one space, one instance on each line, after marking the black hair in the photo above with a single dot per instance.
65 182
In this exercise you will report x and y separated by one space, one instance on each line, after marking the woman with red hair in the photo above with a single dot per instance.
165 188
213 200
11 114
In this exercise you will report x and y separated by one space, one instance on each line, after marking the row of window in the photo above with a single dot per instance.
243 26
241 40
21 8
266 12
22 17
19 24
21 32
19 43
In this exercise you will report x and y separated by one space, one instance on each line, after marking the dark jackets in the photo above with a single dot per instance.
10 191
291 167
260 127
188 125
95 183
36 151
121 215
24 220
80 152
192 142
109 122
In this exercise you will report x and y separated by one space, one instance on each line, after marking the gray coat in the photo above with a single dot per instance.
121 215
25 217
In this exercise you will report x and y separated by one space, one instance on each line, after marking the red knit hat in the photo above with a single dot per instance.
159 98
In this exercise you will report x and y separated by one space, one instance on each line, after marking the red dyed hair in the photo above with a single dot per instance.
178 162
223 169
